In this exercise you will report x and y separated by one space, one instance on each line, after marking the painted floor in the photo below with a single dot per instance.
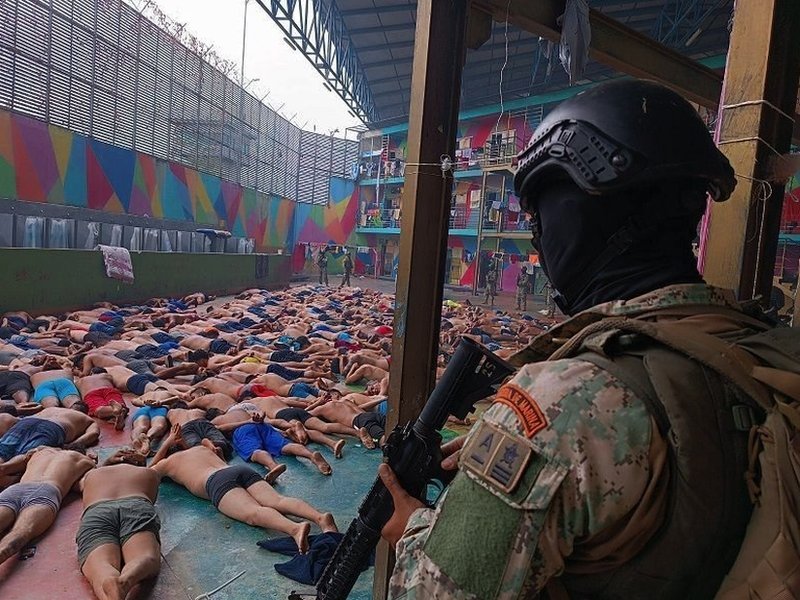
201 548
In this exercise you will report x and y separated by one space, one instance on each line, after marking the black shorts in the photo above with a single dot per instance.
198 430
224 480
128 355
373 422
12 382
282 356
141 366
285 373
293 414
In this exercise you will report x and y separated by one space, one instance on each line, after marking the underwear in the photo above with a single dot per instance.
198 430
59 388
6 358
150 351
166 347
7 332
30 433
303 390
219 347
293 414
17 322
163 338
229 478
137 384
115 522
102 397
373 422
286 356
283 341
258 436
151 412
381 408
20 496
322 327
34 325
251 360
247 321
128 355
284 373
103 328
97 338
140 366
21 342
254 340
247 407
384 330
12 382
257 391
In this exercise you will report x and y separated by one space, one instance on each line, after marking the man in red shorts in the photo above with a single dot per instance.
103 399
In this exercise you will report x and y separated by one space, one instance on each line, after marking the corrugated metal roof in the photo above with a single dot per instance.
381 34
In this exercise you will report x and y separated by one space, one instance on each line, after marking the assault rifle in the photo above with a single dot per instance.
414 453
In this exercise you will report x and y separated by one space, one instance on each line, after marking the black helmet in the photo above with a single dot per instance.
620 135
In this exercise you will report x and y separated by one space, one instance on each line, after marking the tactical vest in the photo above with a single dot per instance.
705 420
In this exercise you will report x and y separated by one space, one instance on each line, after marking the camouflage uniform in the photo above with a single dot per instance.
550 477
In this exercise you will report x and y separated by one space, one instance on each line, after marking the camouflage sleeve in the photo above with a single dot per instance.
561 455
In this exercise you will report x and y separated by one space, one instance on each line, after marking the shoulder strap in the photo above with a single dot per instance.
732 363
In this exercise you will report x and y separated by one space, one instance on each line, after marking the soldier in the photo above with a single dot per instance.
575 479
523 284
347 265
322 263
491 283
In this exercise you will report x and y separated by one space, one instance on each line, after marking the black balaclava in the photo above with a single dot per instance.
573 229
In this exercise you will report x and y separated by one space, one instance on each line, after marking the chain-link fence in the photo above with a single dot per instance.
102 69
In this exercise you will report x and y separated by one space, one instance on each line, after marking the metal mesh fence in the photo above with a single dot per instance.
102 69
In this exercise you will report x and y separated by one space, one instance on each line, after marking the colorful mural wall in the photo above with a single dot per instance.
45 163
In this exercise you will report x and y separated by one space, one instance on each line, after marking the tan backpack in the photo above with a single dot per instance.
766 367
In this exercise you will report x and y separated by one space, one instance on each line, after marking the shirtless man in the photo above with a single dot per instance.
238 491
348 414
197 430
53 426
103 400
55 387
118 538
149 423
28 508
233 386
130 381
365 371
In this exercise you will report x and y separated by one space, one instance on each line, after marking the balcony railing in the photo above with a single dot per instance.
391 218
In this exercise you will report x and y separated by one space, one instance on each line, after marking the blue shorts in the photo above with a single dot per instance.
58 388
219 347
151 412
29 433
381 408
287 356
161 337
137 384
322 327
258 436
303 390
103 328
150 351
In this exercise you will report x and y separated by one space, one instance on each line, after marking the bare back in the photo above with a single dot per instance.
73 422
39 378
338 412
191 468
94 382
181 416
61 468
120 481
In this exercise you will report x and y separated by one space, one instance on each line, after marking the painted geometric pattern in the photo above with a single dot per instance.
45 163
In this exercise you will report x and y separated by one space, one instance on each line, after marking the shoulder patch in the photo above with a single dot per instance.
496 457
524 406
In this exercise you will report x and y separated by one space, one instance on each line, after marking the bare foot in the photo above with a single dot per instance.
120 415
337 449
300 431
366 439
142 444
321 464
327 524
112 588
274 473
301 537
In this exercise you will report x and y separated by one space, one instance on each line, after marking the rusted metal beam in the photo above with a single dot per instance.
439 56
617 46
757 124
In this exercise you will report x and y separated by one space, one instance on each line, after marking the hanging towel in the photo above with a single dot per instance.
117 262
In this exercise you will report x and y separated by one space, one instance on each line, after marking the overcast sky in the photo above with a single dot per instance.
285 73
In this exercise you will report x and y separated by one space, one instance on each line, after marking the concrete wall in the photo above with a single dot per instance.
45 281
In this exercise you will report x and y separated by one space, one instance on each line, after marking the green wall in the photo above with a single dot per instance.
43 281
